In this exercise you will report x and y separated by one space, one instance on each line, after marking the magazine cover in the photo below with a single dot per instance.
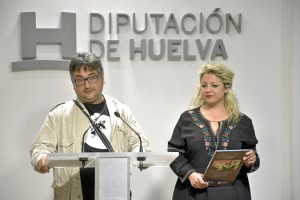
224 167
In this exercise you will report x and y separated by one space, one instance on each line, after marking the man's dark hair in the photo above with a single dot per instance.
87 61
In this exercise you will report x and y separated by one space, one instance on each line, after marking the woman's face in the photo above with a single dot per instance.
212 89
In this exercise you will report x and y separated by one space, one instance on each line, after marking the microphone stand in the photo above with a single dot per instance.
84 159
97 130
139 158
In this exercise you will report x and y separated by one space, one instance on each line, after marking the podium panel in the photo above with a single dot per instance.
112 179
112 170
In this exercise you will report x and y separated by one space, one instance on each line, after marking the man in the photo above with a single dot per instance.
71 122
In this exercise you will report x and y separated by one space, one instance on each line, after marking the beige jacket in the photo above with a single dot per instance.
62 132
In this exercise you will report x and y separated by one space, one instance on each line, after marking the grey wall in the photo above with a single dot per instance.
264 56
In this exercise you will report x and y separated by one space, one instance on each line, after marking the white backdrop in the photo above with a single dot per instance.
264 57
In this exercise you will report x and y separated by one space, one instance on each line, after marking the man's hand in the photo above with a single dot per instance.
41 165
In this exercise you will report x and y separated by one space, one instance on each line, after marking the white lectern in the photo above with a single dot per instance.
113 168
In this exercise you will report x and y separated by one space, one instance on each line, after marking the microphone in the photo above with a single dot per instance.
96 128
84 159
83 136
141 159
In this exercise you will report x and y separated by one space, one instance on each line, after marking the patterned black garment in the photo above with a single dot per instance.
195 141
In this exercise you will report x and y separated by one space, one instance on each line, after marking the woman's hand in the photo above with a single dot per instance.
196 180
249 158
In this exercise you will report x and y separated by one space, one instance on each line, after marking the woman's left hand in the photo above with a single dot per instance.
249 158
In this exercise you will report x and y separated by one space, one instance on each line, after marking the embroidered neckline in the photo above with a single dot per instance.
212 142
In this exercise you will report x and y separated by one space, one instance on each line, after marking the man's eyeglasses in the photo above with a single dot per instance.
81 81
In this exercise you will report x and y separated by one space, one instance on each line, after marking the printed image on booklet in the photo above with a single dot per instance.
224 167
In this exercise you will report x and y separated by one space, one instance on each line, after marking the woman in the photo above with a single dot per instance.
214 122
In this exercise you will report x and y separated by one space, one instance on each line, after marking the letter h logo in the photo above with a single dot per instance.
32 36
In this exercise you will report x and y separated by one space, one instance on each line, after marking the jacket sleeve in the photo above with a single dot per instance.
46 140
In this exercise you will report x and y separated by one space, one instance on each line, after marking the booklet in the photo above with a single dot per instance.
224 167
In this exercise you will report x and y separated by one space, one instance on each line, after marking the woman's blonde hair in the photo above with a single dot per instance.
226 75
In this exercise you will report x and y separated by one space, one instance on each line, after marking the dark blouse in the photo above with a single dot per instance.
195 141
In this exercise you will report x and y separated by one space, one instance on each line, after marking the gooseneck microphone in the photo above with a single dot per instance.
83 136
98 132
141 159
96 128
84 159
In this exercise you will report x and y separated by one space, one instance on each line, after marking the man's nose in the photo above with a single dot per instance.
87 83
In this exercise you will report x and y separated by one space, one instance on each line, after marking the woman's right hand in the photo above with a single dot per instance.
196 180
